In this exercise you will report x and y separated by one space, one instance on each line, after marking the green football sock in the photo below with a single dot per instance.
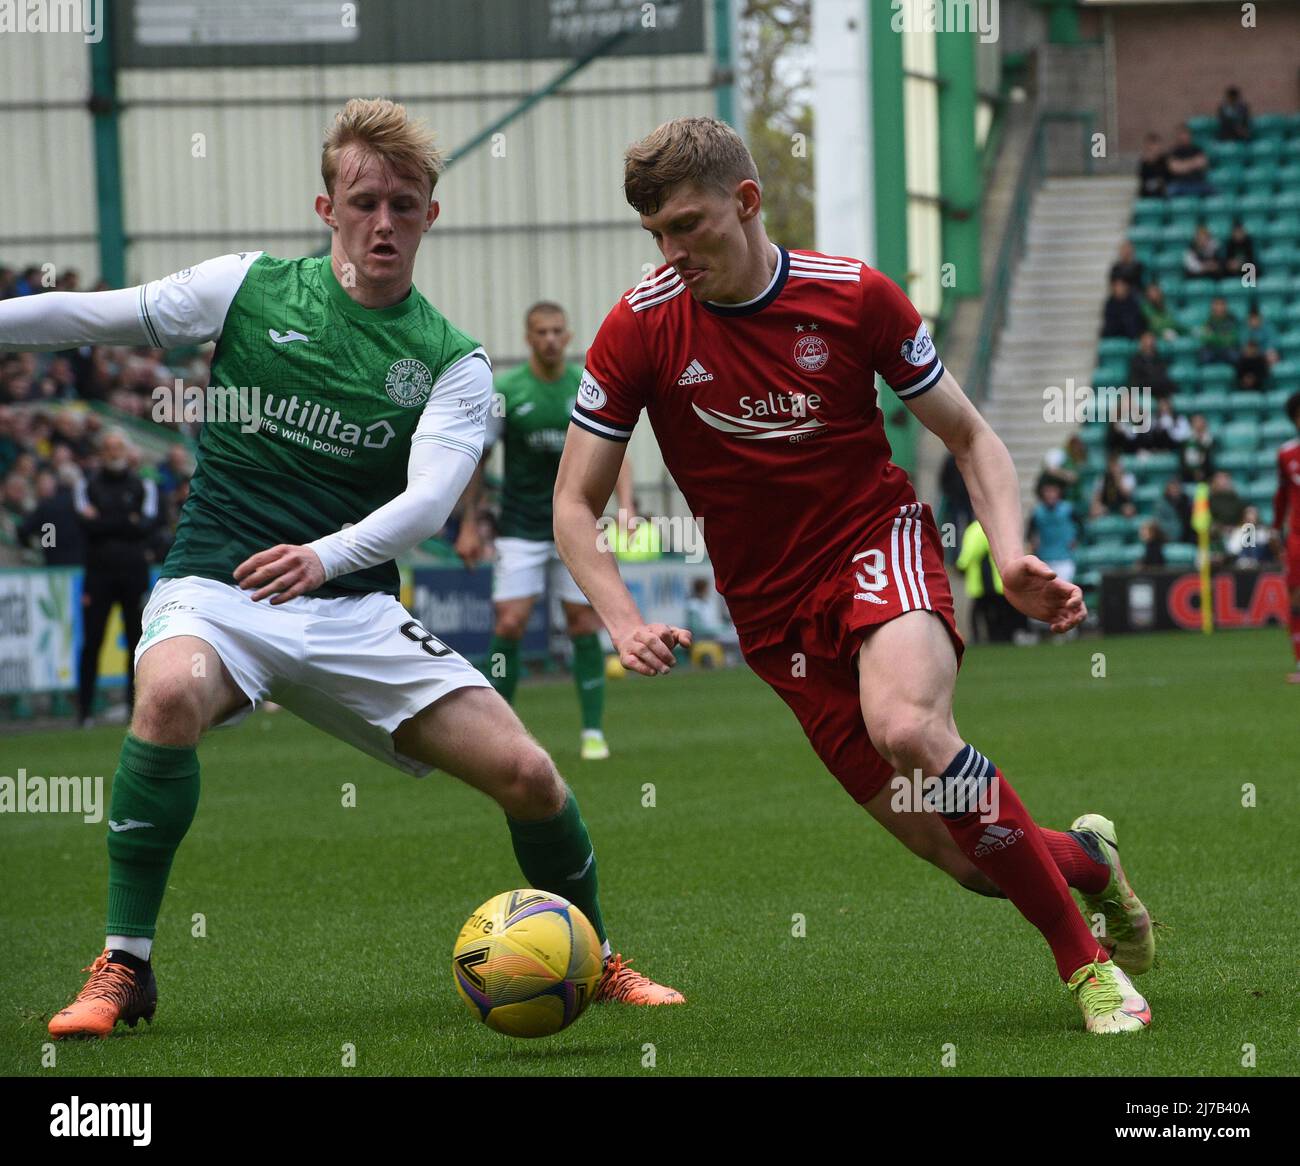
589 675
556 855
155 794
503 666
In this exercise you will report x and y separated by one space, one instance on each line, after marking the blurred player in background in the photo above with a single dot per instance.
1286 513
367 427
757 366
531 414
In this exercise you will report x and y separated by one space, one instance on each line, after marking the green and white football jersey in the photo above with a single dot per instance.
533 418
337 394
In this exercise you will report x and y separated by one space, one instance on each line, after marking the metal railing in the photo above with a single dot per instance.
1033 170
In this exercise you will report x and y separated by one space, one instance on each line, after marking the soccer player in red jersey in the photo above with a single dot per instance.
1286 513
756 366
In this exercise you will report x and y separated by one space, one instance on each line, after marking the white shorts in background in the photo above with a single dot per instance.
520 571
355 667
1064 569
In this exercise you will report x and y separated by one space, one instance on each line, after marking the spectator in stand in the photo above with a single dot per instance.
1153 170
1234 117
1196 457
29 282
1219 336
1052 531
1123 314
15 504
118 512
9 446
1262 335
1114 494
1189 168
1065 466
68 280
991 616
7 282
1253 369
53 526
1239 252
1226 505
1147 368
1203 258
1252 544
1159 319
175 468
1173 513
1129 268
1168 429
1153 544
957 507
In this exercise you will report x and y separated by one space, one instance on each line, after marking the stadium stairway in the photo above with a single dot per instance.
1053 313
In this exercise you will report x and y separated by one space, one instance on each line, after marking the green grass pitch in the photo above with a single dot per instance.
330 926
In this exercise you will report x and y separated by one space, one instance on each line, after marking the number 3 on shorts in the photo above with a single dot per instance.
413 630
871 562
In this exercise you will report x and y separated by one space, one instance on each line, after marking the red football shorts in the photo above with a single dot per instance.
1292 563
811 660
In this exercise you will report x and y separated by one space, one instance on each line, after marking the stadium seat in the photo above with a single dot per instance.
1276 430
1235 460
1116 346
1180 554
1148 494
1217 376
1111 528
1147 211
1239 435
1155 463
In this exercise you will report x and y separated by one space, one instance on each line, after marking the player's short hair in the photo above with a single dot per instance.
1293 407
384 128
544 307
701 150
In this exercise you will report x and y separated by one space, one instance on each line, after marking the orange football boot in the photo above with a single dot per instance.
121 987
621 983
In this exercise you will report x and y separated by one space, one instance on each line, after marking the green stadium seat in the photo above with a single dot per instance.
1255 203
1146 233
1113 346
1235 460
1148 494
1205 126
1276 399
1239 435
1178 350
1287 176
1264 147
1214 403
1093 435
1276 430
1217 376
1284 228
1265 461
1180 554
1111 528
1286 370
1223 151
1226 174
1245 405
1155 464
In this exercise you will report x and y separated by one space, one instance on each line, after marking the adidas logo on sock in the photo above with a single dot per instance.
695 374
997 838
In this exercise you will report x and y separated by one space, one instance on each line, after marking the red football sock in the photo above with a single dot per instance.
1295 635
1079 869
1011 850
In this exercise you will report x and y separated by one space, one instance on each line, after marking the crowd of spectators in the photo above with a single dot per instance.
51 437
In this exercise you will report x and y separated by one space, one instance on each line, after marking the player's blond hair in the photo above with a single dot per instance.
384 128
701 150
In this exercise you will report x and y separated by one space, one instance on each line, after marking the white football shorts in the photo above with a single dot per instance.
355 666
521 567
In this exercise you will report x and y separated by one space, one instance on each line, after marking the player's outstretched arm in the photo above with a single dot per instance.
589 469
990 476
186 308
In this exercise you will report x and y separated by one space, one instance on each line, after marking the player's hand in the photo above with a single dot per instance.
470 545
284 572
1032 587
648 648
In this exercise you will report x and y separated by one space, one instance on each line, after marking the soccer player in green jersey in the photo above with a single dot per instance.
531 412
360 419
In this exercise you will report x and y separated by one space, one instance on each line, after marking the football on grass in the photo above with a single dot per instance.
527 963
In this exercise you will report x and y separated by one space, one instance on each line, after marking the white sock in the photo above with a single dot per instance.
138 945
605 950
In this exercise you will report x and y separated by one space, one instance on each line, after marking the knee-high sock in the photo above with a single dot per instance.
1006 845
1080 868
556 855
503 666
155 794
589 676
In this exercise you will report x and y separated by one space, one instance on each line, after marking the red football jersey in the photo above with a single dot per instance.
766 414
1286 504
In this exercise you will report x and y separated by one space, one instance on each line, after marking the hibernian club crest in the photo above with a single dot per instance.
409 382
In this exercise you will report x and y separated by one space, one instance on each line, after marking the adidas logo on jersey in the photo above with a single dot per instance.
695 374
997 838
